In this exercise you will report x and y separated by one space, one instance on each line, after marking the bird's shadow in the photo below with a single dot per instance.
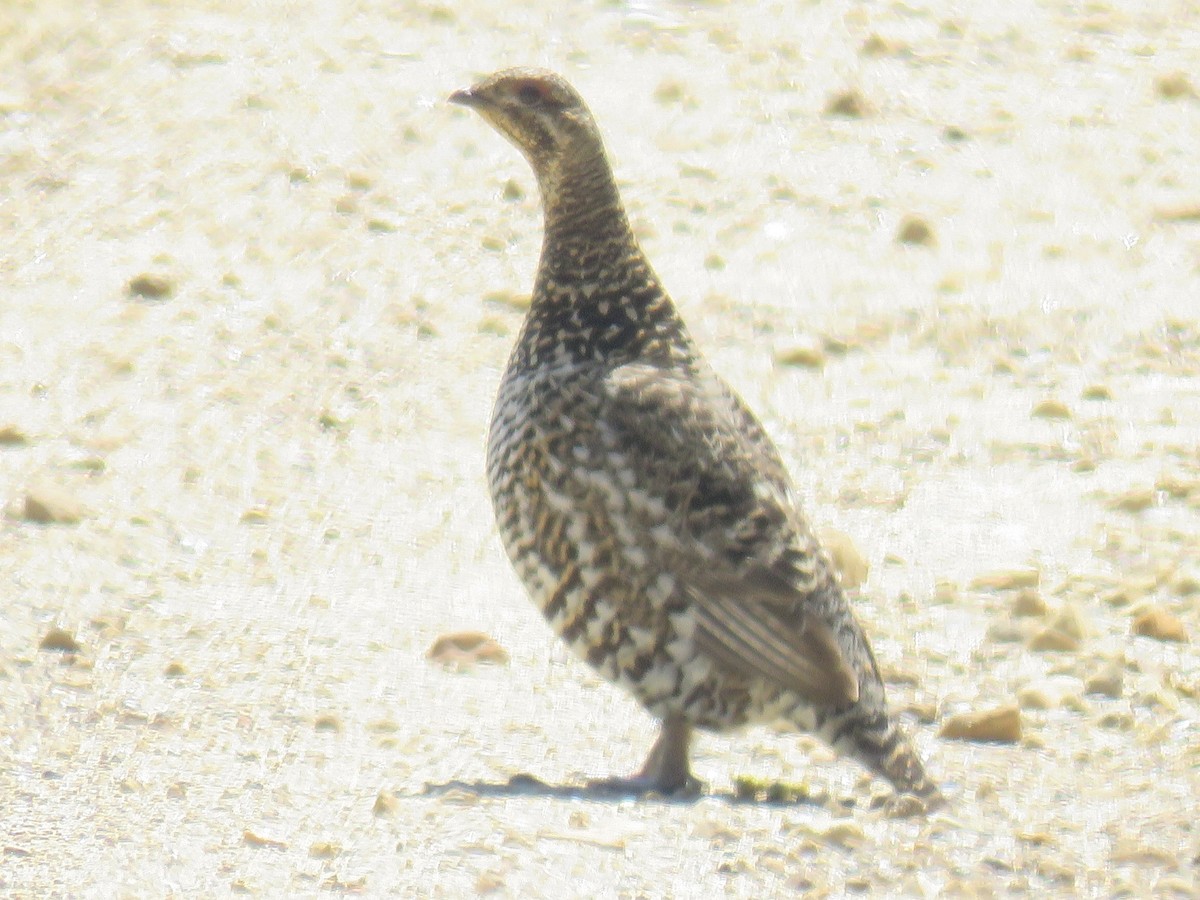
525 785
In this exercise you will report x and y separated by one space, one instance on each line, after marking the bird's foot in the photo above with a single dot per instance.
666 772
648 785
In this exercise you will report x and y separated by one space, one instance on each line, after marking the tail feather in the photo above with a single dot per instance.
883 747
898 763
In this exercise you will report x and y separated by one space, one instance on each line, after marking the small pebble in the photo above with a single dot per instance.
1006 580
489 883
493 325
1051 409
876 45
93 465
670 90
945 593
1008 632
12 436
1003 365
905 806
1034 698
1155 622
1177 886
1129 591
509 299
1070 622
1074 702
49 504
463 649
1130 850
925 713
915 231
1035 838
847 105
385 804
844 834
1174 86
1029 603
150 287
805 355
1053 640
1134 501
851 565
62 641
747 788
329 420
986 789
1163 698
1055 870
894 674
256 515
1186 583
1096 392
255 840
1033 742
1108 682
1002 725
1116 720
1187 213
324 850
1176 487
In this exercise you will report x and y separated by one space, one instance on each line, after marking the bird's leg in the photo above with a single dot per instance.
666 769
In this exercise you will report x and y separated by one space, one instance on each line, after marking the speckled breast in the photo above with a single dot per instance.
578 538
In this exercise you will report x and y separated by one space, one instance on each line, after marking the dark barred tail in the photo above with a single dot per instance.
898 763
880 745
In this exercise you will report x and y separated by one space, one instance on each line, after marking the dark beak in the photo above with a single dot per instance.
466 98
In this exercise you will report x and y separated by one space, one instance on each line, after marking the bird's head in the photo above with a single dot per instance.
539 112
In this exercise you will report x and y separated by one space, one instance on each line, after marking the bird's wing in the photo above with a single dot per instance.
747 558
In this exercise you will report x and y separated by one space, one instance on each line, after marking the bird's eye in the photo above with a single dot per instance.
530 94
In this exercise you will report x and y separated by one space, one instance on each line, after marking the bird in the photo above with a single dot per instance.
640 500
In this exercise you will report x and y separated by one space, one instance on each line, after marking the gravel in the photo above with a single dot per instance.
247 358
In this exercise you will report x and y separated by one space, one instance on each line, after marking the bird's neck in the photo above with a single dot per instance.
583 213
597 299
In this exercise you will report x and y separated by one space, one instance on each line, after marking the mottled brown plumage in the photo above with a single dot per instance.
641 502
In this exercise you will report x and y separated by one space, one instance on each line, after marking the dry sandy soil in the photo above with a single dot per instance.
259 281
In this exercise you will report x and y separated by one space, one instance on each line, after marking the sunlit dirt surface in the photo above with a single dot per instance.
259 281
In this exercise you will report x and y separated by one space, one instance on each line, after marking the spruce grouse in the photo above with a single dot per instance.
640 500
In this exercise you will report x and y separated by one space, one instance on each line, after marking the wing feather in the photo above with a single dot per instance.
695 443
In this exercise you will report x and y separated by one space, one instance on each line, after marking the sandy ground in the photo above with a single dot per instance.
259 281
